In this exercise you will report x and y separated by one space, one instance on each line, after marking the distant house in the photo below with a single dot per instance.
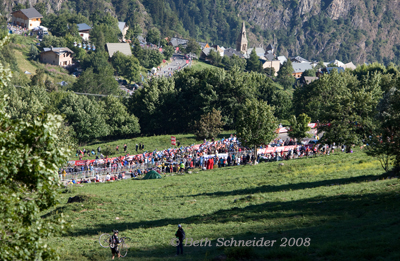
298 59
118 47
123 27
282 59
270 57
259 51
61 56
299 68
84 30
141 39
203 45
28 18
337 63
309 79
349 65
175 42
206 51
229 52
276 64
270 49
330 69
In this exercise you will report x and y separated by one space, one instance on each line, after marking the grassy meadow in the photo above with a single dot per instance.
345 204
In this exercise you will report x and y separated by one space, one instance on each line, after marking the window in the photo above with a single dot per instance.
31 24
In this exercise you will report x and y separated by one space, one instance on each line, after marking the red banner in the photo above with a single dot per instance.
173 140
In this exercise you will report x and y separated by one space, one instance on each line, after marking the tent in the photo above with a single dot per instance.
152 175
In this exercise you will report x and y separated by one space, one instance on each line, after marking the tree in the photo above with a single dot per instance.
49 40
30 157
299 127
33 52
256 124
309 72
193 47
215 57
97 83
85 116
168 51
121 123
27 190
153 36
41 8
285 77
18 6
209 126
155 58
384 141
253 63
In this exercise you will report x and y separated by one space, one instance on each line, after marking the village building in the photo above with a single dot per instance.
123 27
123 48
27 18
241 43
275 64
84 31
229 52
299 68
61 56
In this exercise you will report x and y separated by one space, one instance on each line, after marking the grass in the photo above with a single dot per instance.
200 65
151 143
343 203
21 46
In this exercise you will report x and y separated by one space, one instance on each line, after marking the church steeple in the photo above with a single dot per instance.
241 42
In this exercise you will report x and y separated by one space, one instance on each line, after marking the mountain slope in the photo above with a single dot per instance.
357 30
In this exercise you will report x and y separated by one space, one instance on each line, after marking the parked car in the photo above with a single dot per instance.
312 142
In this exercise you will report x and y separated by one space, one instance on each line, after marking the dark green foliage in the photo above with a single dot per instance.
253 63
299 127
120 122
127 66
174 105
285 77
54 41
193 47
85 116
153 36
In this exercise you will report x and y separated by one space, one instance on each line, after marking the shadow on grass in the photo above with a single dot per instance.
288 187
335 207
362 227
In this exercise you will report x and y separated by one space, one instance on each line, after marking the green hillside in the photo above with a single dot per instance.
343 203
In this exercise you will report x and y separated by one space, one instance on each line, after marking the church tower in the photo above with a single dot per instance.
241 42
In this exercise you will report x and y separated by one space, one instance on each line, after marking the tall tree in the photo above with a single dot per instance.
121 123
209 126
85 116
256 124
153 36
299 127
285 77
253 63
193 47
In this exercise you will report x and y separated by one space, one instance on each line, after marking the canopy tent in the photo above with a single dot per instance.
152 175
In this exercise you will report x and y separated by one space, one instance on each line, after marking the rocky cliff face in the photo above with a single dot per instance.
357 30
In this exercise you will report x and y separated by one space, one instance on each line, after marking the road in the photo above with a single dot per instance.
178 62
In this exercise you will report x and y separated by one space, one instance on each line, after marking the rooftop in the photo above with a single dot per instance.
118 47
83 27
30 13
58 50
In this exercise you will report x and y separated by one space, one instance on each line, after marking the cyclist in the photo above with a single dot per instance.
114 242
